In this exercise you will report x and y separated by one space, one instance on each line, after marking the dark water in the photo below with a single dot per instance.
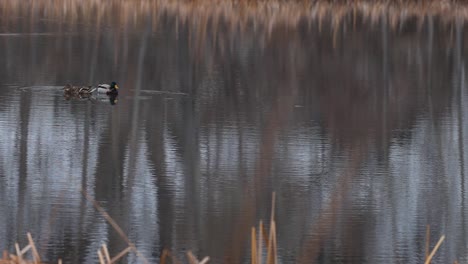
359 130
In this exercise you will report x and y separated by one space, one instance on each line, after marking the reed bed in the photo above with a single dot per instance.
263 245
264 241
238 14
26 255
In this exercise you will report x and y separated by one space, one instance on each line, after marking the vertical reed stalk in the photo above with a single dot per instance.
260 240
429 258
253 250
428 237
260 243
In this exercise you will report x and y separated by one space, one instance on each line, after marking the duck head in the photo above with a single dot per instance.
113 89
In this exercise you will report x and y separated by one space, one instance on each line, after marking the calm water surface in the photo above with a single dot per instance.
359 130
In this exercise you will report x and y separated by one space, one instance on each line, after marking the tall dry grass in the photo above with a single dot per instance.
239 14
264 245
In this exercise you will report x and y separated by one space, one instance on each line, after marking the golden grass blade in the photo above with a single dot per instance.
25 249
273 203
114 225
120 255
107 217
106 253
260 243
204 260
429 258
271 255
275 248
101 258
164 254
174 260
14 258
271 250
428 237
253 243
271 239
36 256
18 252
192 259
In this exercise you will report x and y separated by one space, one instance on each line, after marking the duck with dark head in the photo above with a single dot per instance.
109 89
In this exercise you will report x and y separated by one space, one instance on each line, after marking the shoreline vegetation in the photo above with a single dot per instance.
263 245
269 13
262 241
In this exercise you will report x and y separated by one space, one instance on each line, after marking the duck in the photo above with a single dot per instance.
78 90
109 89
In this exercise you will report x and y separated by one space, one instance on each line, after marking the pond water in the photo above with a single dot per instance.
359 129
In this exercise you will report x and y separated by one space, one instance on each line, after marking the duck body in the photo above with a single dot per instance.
87 91
78 90
109 89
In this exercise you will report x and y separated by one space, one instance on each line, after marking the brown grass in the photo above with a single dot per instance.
22 254
239 14
260 243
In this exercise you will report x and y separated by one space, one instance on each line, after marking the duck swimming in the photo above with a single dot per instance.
77 90
109 89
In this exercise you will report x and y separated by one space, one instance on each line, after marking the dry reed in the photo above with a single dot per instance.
103 252
238 14
22 254
260 243
428 239
429 258
429 255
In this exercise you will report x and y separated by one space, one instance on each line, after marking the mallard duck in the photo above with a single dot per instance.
78 90
109 89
